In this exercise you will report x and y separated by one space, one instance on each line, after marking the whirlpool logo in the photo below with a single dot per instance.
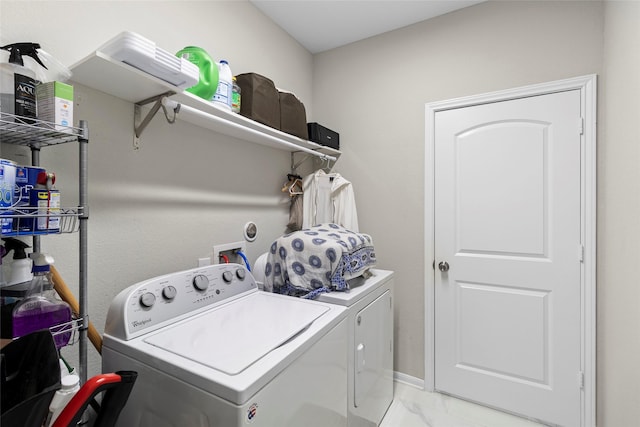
251 413
140 323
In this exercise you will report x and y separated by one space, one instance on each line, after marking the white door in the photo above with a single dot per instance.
508 228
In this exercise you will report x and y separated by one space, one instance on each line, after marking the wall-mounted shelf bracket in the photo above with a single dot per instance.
328 166
294 165
138 125
318 157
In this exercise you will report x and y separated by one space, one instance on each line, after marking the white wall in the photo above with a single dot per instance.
158 209
382 85
619 219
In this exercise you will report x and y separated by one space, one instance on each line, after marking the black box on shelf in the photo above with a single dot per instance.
323 136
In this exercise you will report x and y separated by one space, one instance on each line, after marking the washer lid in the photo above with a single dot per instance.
232 337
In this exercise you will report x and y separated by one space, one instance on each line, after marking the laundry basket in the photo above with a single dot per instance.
30 373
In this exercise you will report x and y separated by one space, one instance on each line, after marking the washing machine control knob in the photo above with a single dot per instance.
240 274
201 282
147 299
227 276
169 293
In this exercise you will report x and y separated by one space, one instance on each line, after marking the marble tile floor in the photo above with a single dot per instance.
413 407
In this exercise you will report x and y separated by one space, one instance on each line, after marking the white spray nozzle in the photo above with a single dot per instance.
41 261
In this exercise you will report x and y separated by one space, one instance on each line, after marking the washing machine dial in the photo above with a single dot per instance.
169 293
147 299
201 282
240 274
227 276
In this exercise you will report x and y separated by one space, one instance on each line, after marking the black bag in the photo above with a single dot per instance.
29 377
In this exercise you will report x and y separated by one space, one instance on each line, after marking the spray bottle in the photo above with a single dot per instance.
17 82
40 309
19 269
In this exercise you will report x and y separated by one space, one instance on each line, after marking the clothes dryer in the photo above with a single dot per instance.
369 303
370 350
210 349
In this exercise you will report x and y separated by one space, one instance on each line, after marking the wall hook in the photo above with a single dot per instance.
176 110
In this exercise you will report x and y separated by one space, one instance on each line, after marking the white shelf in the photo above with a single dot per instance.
113 77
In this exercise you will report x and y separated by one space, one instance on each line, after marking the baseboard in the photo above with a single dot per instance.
408 379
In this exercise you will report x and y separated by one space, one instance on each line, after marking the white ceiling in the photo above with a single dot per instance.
321 25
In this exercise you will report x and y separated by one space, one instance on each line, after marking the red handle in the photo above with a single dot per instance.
84 395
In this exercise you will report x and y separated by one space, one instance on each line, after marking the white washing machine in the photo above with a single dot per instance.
370 350
210 349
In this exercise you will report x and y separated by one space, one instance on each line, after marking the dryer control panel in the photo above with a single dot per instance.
145 306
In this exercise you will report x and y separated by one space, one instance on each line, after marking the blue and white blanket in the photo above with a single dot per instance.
319 259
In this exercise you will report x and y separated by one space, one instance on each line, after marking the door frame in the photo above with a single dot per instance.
588 96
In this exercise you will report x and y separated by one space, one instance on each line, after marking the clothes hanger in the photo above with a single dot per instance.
292 188
327 168
293 180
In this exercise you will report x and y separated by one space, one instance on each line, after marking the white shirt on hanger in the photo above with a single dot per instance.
328 198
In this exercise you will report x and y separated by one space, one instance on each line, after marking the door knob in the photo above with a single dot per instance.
443 266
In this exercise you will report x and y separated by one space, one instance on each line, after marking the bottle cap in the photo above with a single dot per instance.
69 381
46 178
17 246
41 262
